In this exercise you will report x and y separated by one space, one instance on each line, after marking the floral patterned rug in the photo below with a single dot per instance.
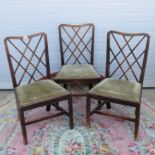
107 136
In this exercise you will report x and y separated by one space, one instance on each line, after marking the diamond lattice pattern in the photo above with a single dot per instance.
28 58
77 43
127 55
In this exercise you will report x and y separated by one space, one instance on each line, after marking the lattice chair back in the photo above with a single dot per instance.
76 43
27 57
127 55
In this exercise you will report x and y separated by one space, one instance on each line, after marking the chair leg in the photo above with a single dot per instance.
90 85
70 107
99 102
108 105
23 126
137 122
65 86
88 112
57 105
48 107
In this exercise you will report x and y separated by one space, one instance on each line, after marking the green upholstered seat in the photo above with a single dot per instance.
118 89
39 91
77 71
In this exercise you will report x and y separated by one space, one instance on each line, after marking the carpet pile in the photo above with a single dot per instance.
107 136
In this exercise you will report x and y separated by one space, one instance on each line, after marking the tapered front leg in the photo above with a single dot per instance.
70 107
137 122
23 126
88 112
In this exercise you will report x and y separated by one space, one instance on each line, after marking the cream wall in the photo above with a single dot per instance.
22 17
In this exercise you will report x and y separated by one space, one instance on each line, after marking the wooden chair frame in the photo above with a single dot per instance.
89 28
21 109
105 99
